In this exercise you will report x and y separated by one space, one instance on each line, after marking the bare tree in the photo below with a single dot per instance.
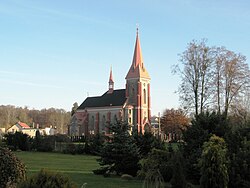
231 78
212 78
196 76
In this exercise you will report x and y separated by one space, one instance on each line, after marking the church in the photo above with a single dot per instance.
131 105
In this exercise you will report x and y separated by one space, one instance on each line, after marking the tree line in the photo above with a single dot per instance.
57 118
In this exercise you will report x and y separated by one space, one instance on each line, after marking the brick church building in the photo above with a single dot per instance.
131 104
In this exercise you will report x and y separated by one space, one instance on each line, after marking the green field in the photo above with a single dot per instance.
77 167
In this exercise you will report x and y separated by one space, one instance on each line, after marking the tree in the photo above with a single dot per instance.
120 153
213 163
12 170
37 141
93 145
146 142
178 180
74 108
156 168
238 143
174 121
197 63
201 129
231 78
212 78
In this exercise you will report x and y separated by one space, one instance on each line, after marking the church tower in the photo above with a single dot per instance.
138 90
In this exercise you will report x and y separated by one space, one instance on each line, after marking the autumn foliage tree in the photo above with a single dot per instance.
174 121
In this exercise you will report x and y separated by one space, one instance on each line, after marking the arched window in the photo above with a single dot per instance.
144 96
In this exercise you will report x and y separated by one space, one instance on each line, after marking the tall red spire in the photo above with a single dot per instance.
111 82
137 68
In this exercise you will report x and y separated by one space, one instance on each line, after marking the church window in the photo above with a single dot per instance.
129 111
130 120
144 96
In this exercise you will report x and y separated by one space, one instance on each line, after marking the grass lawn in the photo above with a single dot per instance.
77 167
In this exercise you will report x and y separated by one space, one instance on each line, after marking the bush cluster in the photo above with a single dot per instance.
48 179
12 170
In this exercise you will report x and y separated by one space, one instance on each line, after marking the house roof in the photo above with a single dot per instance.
23 125
116 98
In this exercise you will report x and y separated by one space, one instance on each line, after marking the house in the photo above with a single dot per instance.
24 128
18 127
131 104
49 131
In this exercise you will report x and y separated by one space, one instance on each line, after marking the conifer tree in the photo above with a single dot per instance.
119 154
214 170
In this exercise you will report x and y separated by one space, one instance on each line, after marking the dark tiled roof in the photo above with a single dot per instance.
117 98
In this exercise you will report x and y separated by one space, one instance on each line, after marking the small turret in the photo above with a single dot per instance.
111 82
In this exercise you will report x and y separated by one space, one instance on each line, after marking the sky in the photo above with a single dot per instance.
55 53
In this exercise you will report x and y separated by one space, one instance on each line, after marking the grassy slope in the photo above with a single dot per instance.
77 167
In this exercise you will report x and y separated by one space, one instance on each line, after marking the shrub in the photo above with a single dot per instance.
74 148
158 164
12 169
70 149
18 140
48 179
126 177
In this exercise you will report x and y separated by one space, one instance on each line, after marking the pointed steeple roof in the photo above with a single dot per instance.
137 68
111 76
111 82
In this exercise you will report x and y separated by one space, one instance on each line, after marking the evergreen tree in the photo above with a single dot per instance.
239 153
119 154
37 140
157 164
178 180
201 129
146 142
213 163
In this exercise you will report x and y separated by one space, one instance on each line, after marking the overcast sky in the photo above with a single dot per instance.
55 53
